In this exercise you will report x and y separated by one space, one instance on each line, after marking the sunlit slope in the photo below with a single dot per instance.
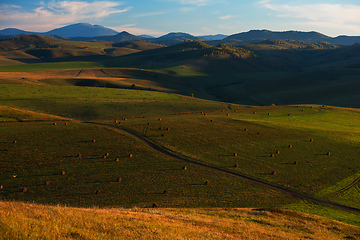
21 220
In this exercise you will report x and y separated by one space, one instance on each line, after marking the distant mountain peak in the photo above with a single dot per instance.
83 30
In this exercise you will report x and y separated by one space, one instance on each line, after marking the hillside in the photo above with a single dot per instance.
58 222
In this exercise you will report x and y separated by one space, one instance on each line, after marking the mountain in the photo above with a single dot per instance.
214 37
260 35
120 37
178 36
346 40
146 36
83 30
14 31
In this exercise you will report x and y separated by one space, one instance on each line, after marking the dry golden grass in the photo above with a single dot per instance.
32 221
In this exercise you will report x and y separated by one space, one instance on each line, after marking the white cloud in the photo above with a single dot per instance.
149 14
226 17
56 14
331 16
195 2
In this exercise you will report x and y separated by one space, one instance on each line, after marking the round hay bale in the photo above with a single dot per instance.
207 183
160 128
268 114
166 192
311 140
205 114
159 119
79 155
184 168
227 115
167 129
130 155
236 166
63 173
302 110
277 152
120 123
148 123
235 110
119 180
47 183
116 160
54 123
107 154
328 154
272 155
104 157
1 187
296 163
273 173
116 121
235 154
155 205
66 123
211 120
97 192
93 140
258 133
289 114
14 141
222 111
202 113
245 129
290 146
254 112
144 116
24 189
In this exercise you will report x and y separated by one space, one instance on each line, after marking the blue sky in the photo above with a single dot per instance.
197 17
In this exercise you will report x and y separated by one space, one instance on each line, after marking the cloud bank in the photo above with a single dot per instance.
57 14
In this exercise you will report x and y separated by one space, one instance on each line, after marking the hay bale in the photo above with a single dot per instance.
93 140
277 152
207 183
54 123
227 115
302 110
235 110
47 183
273 173
97 192
116 160
14 141
328 154
289 114
296 163
236 166
205 114
107 154
159 119
104 157
24 189
268 114
167 129
116 121
119 180
184 168
63 173
254 112
202 113
211 120
290 146
235 154
79 155
160 128
311 140
258 133
166 192
148 123
66 123
245 129
272 155
130 155
144 116
155 205
1 187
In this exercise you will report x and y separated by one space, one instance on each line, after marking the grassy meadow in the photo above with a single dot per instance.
65 142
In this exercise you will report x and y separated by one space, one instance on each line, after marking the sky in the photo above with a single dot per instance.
197 17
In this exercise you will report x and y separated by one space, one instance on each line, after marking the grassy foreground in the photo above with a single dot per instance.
32 221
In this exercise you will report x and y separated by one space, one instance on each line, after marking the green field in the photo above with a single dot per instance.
91 120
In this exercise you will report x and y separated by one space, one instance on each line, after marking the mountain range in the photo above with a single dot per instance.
95 33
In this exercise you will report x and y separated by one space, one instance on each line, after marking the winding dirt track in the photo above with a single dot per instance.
268 185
